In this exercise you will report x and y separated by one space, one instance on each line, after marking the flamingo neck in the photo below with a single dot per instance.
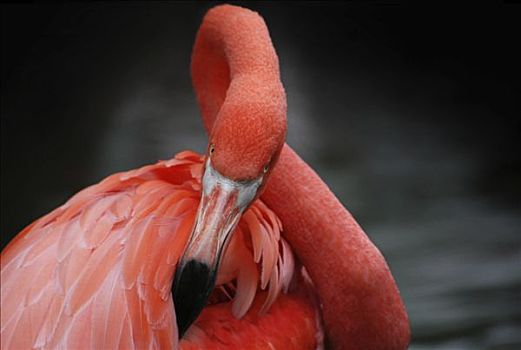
233 63
361 305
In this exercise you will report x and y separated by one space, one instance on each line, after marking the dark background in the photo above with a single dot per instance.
410 114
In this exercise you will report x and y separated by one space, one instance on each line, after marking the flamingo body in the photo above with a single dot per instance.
97 271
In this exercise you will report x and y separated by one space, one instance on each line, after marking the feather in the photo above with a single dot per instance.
123 207
133 250
50 323
19 338
269 256
273 291
115 312
246 286
91 215
47 237
98 270
68 238
257 237
181 237
126 337
71 267
189 155
133 303
42 276
287 267
79 333
99 231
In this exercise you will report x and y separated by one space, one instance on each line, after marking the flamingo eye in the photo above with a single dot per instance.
266 168
212 148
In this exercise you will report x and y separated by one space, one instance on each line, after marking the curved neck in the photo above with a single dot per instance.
361 304
233 63
233 60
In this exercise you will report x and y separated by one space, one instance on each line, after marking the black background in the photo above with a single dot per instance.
410 113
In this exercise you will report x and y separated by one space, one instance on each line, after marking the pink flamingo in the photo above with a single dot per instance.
220 231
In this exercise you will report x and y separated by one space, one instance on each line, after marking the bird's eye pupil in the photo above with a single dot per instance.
266 167
211 148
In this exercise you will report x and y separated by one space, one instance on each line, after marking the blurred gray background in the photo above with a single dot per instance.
410 114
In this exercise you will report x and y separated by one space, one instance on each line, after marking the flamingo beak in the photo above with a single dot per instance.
222 203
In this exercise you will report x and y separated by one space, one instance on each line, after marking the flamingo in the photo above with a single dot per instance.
242 247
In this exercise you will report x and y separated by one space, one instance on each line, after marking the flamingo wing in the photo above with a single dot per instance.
84 276
97 272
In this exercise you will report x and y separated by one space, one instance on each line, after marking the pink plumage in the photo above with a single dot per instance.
289 264
100 267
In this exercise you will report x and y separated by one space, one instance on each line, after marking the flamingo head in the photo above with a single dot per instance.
246 140
245 143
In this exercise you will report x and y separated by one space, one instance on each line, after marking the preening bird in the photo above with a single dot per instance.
243 247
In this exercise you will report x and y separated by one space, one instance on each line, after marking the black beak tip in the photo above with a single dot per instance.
193 283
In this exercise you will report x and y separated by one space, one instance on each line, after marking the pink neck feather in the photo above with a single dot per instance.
362 308
232 49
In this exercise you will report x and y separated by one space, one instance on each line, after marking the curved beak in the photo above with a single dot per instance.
222 203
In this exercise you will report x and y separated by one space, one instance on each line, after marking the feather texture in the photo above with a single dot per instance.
97 272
